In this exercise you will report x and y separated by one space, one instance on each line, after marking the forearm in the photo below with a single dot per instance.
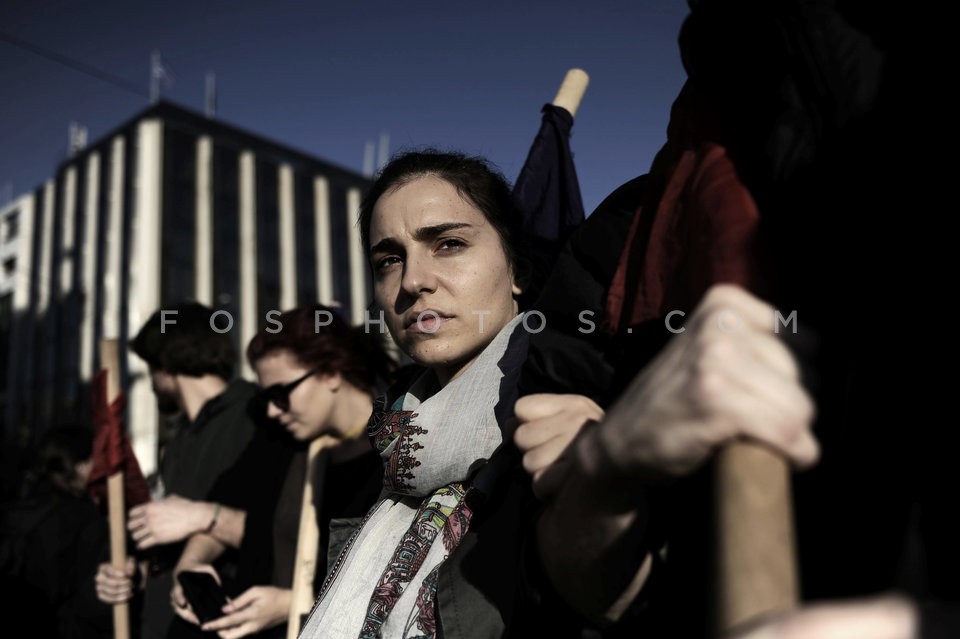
592 536
175 518
228 526
200 549
225 529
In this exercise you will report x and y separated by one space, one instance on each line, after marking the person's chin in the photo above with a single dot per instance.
430 352
304 433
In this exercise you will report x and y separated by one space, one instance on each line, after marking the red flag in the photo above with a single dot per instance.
698 226
112 452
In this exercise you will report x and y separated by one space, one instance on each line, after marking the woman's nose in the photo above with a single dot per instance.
418 276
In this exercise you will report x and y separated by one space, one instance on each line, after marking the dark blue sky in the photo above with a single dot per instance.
328 77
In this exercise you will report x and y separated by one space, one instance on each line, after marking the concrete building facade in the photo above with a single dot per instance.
169 206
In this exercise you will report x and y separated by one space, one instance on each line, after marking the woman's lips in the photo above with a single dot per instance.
428 322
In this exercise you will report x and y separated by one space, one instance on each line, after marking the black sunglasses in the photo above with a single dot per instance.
279 394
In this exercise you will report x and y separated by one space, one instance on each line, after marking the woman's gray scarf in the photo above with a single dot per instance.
432 442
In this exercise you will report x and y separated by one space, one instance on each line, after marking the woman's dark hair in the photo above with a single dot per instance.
180 339
321 340
476 180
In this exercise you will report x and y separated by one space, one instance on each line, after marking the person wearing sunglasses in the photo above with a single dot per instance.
279 394
317 379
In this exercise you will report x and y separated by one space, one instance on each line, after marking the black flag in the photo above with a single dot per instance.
547 192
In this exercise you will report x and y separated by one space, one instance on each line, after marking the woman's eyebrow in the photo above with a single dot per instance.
386 245
422 234
427 233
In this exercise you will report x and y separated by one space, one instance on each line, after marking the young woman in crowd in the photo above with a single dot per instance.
318 377
441 548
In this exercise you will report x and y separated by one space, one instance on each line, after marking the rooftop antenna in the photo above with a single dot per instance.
368 152
384 153
76 139
210 102
158 71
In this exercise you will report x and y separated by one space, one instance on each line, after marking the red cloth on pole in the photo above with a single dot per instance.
112 452
698 226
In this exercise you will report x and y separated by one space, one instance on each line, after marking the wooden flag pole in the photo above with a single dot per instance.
571 90
755 552
110 359
308 541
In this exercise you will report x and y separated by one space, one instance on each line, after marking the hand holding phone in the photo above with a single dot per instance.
204 594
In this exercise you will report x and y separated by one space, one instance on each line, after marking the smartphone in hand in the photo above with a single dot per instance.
204 594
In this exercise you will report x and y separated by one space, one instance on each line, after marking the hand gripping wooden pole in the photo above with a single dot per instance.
308 541
116 509
571 90
755 552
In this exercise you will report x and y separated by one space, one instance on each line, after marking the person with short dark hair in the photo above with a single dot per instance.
191 360
188 339
184 340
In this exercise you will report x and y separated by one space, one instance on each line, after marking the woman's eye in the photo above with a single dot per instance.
450 244
386 262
